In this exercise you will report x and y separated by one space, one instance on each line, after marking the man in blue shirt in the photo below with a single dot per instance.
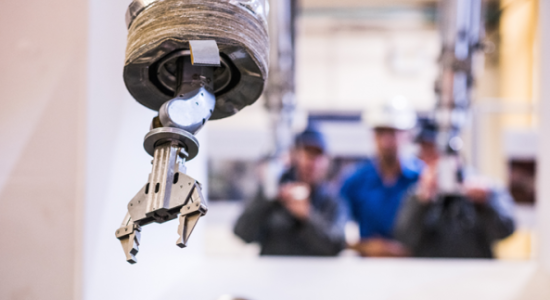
375 191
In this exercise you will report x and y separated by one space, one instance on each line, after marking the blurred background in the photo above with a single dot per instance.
354 55
71 154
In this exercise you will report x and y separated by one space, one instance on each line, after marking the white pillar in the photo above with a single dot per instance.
543 163
43 59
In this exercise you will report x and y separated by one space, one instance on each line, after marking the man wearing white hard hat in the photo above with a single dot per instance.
375 190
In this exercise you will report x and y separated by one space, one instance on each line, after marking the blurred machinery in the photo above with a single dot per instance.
461 23
280 100
190 60
279 94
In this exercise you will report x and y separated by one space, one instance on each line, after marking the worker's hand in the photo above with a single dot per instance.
298 208
380 247
477 189
427 186
295 198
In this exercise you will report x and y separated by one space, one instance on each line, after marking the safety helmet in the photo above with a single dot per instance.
394 113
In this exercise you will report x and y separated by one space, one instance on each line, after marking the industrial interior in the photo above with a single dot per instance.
275 149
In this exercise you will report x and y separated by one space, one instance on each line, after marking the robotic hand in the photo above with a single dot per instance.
191 60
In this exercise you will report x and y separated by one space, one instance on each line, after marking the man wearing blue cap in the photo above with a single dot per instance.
305 218
460 226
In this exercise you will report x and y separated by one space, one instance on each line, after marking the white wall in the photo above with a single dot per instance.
42 131
352 64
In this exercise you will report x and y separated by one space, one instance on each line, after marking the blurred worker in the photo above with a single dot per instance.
454 226
305 218
374 192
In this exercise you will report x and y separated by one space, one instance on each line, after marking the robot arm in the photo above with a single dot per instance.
190 60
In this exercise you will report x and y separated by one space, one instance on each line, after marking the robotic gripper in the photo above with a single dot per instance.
192 61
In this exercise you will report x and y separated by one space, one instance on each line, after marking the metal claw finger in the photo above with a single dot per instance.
187 224
129 237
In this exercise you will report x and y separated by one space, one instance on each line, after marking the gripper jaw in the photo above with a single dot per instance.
189 216
129 236
168 193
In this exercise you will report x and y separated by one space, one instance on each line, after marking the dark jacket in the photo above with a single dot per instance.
279 233
454 227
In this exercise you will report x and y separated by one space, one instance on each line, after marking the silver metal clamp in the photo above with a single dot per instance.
170 192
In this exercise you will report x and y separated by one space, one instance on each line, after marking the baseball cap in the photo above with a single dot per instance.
427 131
311 137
